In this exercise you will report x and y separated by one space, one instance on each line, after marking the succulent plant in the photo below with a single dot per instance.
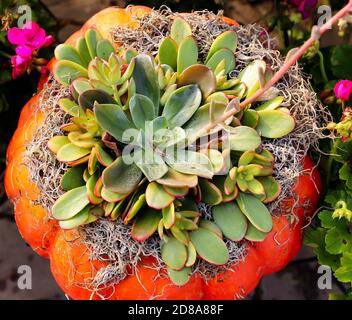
146 142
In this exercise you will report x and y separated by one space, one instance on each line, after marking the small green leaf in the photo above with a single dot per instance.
176 192
70 203
129 54
190 162
210 193
90 97
274 123
104 49
242 138
230 220
253 234
137 205
252 75
145 224
256 212
112 119
180 29
200 75
66 71
157 197
67 52
142 110
103 157
57 142
83 51
178 180
250 118
191 255
146 79
181 105
209 246
111 196
174 254
226 40
92 37
73 178
179 277
169 216
76 221
168 52
222 54
272 188
71 107
70 152
187 54
271 104
210 226
121 177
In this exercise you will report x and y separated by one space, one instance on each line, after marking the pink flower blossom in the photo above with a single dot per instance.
343 89
19 65
30 37
305 7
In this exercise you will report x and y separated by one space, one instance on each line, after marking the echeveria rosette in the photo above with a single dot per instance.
146 143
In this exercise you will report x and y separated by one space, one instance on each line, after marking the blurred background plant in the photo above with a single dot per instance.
289 22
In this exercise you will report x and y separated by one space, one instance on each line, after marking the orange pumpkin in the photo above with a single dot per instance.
48 240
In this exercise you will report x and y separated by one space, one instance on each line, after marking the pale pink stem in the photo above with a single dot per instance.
289 63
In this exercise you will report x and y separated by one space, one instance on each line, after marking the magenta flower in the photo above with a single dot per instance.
19 65
305 7
31 37
343 89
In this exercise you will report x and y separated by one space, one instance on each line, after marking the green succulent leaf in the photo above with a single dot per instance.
180 29
226 40
210 226
230 220
268 123
272 188
145 224
242 138
83 51
191 255
271 104
253 234
174 253
66 71
157 197
176 192
175 179
76 221
169 216
220 55
252 75
200 75
57 142
181 105
210 192
67 52
121 177
168 52
142 110
191 162
71 107
179 277
146 79
104 49
255 211
112 119
92 37
187 54
209 246
70 203
250 118
111 196
90 97
73 178
136 206
70 152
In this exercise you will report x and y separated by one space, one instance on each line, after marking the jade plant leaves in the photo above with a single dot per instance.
174 253
230 220
226 40
146 79
225 55
272 188
142 110
274 123
70 152
112 119
180 29
179 277
57 142
242 138
187 54
169 216
210 193
181 105
209 246
74 222
145 224
271 104
90 97
121 177
252 75
253 234
104 49
168 52
70 203
66 71
67 52
157 197
153 167
201 75
73 178
256 212
92 37
177 179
